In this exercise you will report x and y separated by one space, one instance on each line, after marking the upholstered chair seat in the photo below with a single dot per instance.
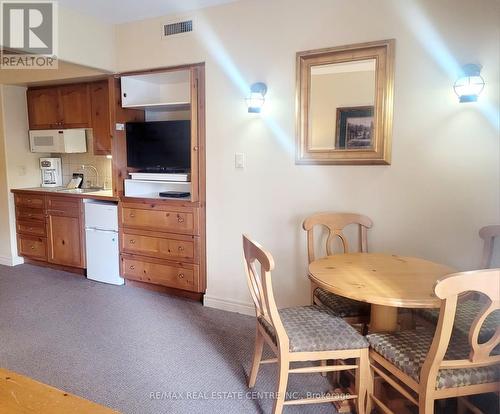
314 328
407 350
341 306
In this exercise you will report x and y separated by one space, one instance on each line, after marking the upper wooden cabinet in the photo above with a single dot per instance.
75 105
81 105
43 108
66 106
101 123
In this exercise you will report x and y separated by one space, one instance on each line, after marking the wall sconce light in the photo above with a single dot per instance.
256 100
470 84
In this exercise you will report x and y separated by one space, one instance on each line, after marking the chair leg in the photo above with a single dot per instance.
425 404
257 356
283 366
323 364
362 381
370 387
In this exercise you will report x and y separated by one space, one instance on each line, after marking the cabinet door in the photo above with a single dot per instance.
65 246
75 105
43 108
99 97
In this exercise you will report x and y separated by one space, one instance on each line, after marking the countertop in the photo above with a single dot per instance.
95 195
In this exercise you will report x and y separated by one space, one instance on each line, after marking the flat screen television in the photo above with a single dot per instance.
159 145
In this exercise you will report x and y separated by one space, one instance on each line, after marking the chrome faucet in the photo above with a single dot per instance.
84 166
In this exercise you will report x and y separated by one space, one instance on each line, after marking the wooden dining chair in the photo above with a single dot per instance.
488 234
425 366
352 311
298 334
470 303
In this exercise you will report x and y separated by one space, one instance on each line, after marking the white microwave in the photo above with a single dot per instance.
58 140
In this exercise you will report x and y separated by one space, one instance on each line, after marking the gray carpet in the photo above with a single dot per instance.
118 345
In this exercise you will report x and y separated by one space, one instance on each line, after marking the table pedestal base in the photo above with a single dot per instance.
383 318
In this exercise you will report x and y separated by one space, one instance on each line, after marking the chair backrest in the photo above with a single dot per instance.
260 285
335 224
488 234
486 282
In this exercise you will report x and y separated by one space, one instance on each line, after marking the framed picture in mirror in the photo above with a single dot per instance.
344 102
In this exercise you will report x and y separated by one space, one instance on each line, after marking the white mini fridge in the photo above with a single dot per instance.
101 231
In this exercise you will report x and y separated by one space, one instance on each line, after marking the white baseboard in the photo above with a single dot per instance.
11 261
229 305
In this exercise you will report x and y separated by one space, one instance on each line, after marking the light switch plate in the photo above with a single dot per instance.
239 160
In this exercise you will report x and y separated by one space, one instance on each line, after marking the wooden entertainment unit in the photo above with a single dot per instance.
162 241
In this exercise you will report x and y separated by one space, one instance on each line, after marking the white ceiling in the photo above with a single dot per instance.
121 11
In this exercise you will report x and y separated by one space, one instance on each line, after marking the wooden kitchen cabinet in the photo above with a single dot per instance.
57 107
65 238
75 105
101 124
50 229
43 108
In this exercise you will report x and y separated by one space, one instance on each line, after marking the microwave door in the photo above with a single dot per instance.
46 141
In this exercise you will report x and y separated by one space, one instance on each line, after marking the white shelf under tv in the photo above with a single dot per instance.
151 189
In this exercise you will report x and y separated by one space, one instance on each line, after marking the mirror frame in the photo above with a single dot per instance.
383 52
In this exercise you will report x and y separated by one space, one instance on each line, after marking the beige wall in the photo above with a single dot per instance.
85 40
20 166
332 91
443 183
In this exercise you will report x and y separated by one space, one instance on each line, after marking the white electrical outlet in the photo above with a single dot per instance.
239 160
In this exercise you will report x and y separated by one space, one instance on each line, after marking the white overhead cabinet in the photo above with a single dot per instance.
166 89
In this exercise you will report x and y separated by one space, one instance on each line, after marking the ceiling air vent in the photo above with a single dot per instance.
176 28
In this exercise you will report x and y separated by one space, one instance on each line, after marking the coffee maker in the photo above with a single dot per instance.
51 172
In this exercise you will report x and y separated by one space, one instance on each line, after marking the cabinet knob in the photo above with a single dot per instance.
29 200
32 247
180 219
181 249
131 241
132 267
195 148
132 215
181 275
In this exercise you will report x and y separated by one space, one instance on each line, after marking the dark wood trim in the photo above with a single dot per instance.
186 66
75 270
198 297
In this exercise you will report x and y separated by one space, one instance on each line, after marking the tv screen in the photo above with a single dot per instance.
159 145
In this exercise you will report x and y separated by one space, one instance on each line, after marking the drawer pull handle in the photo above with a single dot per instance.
131 241
29 200
180 219
181 249
132 215
132 267
181 275
32 247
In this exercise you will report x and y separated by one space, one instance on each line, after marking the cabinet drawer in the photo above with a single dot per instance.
30 201
34 247
164 273
30 214
33 228
160 220
64 206
160 247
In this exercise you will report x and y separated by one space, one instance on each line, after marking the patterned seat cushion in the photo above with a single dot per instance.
341 306
467 311
314 328
407 350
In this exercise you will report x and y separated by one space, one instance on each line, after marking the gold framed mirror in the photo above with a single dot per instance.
344 104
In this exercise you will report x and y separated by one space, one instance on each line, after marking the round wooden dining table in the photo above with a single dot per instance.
387 282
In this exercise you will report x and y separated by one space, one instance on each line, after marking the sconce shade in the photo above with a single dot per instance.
256 100
470 84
